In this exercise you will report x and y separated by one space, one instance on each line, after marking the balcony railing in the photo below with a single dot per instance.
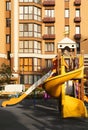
77 2
49 3
49 19
49 36
77 19
77 36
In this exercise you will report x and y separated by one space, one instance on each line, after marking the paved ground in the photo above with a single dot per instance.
39 115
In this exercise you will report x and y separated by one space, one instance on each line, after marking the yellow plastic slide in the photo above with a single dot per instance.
14 101
73 107
53 85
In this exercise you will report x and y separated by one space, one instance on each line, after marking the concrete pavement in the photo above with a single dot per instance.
37 115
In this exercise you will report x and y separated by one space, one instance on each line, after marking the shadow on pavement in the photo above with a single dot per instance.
38 114
8 121
45 116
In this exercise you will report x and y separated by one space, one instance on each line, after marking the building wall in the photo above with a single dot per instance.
2 32
84 19
84 47
19 61
59 21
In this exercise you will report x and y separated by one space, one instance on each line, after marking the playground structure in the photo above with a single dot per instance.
66 68
55 86
71 106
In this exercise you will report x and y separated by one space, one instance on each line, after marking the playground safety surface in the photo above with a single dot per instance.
38 114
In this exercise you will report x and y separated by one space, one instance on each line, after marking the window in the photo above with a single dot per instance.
78 47
8 38
29 12
37 14
49 47
48 63
36 77
30 30
49 13
21 12
37 47
29 64
26 0
8 22
21 0
37 64
77 12
66 13
36 1
50 30
30 47
66 29
30 79
8 5
25 64
77 29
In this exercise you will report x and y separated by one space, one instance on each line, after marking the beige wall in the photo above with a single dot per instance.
84 26
59 21
71 19
2 27
84 46
84 19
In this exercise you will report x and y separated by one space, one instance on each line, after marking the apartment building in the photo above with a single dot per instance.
31 29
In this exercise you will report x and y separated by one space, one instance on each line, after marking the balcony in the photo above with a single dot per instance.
77 19
77 2
49 3
77 36
49 19
49 36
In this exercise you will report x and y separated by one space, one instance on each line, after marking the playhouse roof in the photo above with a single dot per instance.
67 40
